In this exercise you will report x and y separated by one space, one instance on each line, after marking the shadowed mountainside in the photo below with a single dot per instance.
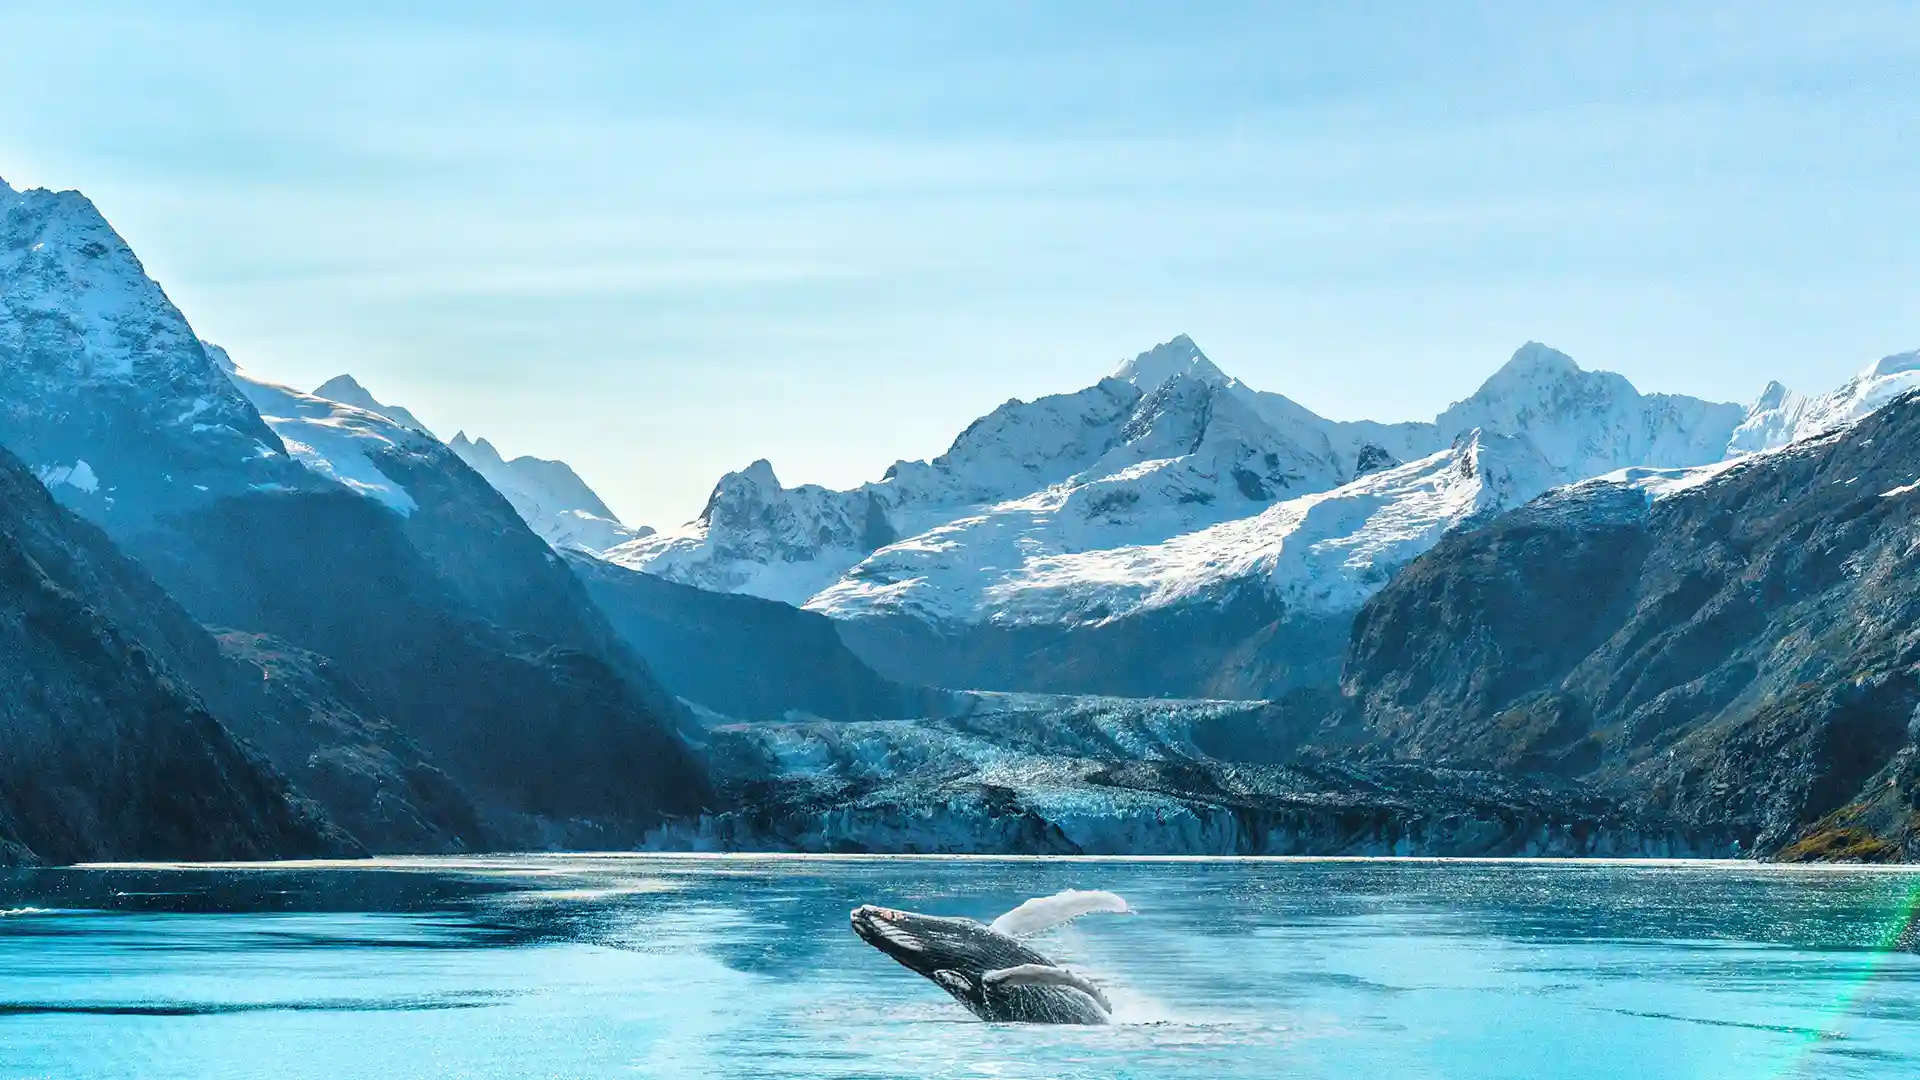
1742 652
104 753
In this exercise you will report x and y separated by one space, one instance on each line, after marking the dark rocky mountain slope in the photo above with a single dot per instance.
1741 652
312 723
104 752
742 656
559 744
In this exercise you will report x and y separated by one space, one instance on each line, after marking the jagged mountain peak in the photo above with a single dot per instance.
1185 400
549 496
1180 356
1782 417
1593 422
761 473
479 448
743 488
341 441
1537 371
1771 397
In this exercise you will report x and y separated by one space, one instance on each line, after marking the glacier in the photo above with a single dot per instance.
1104 776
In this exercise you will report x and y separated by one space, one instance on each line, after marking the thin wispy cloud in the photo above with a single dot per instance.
661 242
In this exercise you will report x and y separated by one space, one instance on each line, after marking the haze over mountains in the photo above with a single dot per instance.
1565 616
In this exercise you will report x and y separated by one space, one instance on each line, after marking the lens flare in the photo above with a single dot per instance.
1900 933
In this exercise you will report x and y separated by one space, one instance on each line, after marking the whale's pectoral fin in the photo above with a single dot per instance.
1042 975
1047 912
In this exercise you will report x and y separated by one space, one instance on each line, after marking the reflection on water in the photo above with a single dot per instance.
572 966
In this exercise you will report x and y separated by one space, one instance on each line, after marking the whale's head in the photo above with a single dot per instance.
931 944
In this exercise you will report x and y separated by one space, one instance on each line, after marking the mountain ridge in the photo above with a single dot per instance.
1049 522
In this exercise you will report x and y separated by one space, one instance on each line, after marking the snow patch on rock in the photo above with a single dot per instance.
77 475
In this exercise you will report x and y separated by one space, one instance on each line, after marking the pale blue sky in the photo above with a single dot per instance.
661 241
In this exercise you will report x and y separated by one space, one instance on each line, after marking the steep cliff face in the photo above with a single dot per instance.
334 743
104 752
1739 646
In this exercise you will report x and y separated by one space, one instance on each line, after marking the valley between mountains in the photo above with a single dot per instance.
1165 612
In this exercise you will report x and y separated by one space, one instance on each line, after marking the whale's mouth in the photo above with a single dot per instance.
885 929
893 933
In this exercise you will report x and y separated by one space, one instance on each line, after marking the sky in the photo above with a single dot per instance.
661 241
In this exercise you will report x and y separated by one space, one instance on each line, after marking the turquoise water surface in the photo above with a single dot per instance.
627 966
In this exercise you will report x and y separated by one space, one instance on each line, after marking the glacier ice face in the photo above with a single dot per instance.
1089 776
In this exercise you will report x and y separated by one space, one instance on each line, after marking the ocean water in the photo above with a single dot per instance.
623 966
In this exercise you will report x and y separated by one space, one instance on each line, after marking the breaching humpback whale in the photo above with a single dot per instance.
986 968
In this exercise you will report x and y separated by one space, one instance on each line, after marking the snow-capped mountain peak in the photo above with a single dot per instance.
760 474
1180 356
98 365
1781 416
549 496
1166 448
1533 362
1592 422
1899 364
347 391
